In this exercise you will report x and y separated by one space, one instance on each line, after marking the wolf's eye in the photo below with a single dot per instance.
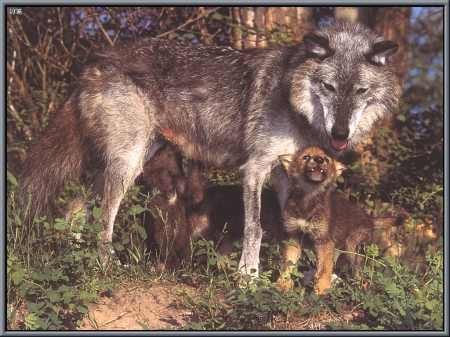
329 87
361 91
306 157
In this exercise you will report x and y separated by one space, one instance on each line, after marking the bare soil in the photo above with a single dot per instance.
154 306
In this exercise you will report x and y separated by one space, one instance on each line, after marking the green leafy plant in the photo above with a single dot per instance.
397 298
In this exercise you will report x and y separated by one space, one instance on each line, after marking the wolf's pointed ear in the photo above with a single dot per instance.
381 51
317 46
286 160
340 168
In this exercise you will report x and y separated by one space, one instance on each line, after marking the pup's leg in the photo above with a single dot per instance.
291 255
352 245
325 261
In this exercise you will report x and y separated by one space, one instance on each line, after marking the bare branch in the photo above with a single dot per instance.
103 31
189 22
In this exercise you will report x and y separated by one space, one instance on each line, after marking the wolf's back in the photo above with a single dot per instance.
55 158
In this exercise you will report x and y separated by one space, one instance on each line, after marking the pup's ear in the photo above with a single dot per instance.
317 46
340 168
381 52
286 160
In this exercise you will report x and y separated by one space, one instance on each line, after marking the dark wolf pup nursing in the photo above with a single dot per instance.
228 108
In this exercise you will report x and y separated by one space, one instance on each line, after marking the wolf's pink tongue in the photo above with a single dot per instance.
338 144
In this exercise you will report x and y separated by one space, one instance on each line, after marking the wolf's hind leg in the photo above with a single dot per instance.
118 122
119 175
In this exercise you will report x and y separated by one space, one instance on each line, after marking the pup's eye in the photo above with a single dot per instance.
329 87
361 91
306 157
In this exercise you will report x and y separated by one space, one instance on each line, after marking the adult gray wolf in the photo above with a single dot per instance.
313 207
228 108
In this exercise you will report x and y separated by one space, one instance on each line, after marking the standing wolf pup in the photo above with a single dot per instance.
228 108
330 221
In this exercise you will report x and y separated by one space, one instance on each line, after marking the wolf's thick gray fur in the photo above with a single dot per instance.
236 109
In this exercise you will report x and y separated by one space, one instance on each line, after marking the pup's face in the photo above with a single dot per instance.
311 166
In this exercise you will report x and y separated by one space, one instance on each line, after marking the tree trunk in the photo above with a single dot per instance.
261 26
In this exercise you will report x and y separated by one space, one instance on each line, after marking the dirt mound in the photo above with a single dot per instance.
134 307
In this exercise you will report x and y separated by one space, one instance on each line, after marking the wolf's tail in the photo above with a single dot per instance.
55 158
389 222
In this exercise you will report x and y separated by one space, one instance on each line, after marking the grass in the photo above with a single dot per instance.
53 277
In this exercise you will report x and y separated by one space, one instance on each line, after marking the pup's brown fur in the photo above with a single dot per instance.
168 223
328 220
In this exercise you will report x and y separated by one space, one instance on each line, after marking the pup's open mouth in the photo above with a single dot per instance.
338 144
316 174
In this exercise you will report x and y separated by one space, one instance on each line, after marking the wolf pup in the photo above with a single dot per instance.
313 207
169 225
220 106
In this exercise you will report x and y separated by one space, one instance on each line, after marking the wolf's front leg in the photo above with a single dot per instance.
253 180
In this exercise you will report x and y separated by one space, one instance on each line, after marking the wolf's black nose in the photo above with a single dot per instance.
318 160
339 133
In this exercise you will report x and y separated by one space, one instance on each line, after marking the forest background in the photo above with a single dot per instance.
400 165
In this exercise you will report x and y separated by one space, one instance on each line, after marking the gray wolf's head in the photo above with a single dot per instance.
346 83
